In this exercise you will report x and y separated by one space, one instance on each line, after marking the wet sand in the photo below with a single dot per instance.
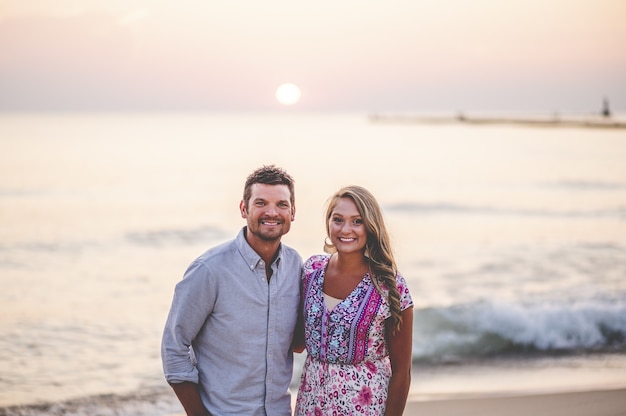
580 403
583 403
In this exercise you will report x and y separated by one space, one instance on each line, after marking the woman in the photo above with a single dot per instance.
357 316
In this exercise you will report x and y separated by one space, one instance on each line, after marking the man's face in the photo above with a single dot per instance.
269 212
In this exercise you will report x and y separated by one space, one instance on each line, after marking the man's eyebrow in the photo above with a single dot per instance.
287 201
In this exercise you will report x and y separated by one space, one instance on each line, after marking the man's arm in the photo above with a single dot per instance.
192 303
189 397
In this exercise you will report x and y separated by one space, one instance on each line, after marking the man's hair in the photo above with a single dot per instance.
269 175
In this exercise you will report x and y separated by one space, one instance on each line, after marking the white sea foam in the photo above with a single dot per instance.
492 329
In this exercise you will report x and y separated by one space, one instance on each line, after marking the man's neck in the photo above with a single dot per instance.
268 250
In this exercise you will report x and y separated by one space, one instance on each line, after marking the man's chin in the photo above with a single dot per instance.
270 235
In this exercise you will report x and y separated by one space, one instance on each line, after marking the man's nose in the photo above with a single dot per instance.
271 209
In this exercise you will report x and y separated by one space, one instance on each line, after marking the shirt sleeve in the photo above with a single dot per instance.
194 298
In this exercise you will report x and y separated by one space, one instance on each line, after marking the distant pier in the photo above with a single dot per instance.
594 121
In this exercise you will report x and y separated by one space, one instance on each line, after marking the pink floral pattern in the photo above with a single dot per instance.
347 367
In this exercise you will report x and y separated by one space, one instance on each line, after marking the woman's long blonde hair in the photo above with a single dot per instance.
378 251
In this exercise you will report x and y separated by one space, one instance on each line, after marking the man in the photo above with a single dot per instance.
226 347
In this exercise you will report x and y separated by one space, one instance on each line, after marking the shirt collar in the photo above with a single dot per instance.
250 256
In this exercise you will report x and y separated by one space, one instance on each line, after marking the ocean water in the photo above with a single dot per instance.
512 239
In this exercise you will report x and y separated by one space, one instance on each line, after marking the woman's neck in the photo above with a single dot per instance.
350 262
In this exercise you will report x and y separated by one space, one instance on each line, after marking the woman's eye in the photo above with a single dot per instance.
358 222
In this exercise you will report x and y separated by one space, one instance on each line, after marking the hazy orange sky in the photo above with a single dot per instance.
413 55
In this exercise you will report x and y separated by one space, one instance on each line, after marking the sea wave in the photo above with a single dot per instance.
152 402
176 236
146 238
492 329
462 209
584 185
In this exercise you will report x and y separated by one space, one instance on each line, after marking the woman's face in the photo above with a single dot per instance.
346 227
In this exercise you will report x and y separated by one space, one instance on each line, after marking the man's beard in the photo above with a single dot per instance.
269 235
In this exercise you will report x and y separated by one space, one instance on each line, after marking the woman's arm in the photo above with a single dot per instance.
298 343
298 334
400 354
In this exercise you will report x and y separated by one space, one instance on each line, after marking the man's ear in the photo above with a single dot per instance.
243 209
293 213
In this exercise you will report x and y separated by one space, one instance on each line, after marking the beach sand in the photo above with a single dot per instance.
584 403
581 403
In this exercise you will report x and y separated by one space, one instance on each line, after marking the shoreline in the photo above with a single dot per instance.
607 402
590 402
600 401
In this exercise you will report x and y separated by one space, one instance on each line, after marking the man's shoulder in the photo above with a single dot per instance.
217 253
290 252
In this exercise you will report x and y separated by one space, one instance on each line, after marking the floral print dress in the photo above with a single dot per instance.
347 368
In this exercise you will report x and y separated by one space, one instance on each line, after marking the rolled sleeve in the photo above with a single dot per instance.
192 304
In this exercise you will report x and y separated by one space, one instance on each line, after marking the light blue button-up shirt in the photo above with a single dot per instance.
231 331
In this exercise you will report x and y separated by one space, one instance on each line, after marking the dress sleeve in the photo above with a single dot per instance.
312 264
406 301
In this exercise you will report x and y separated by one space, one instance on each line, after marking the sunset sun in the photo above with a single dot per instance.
288 94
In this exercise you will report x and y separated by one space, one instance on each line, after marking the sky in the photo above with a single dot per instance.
347 55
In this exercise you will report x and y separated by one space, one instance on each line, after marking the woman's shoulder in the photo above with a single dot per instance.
401 285
400 281
406 300
315 262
